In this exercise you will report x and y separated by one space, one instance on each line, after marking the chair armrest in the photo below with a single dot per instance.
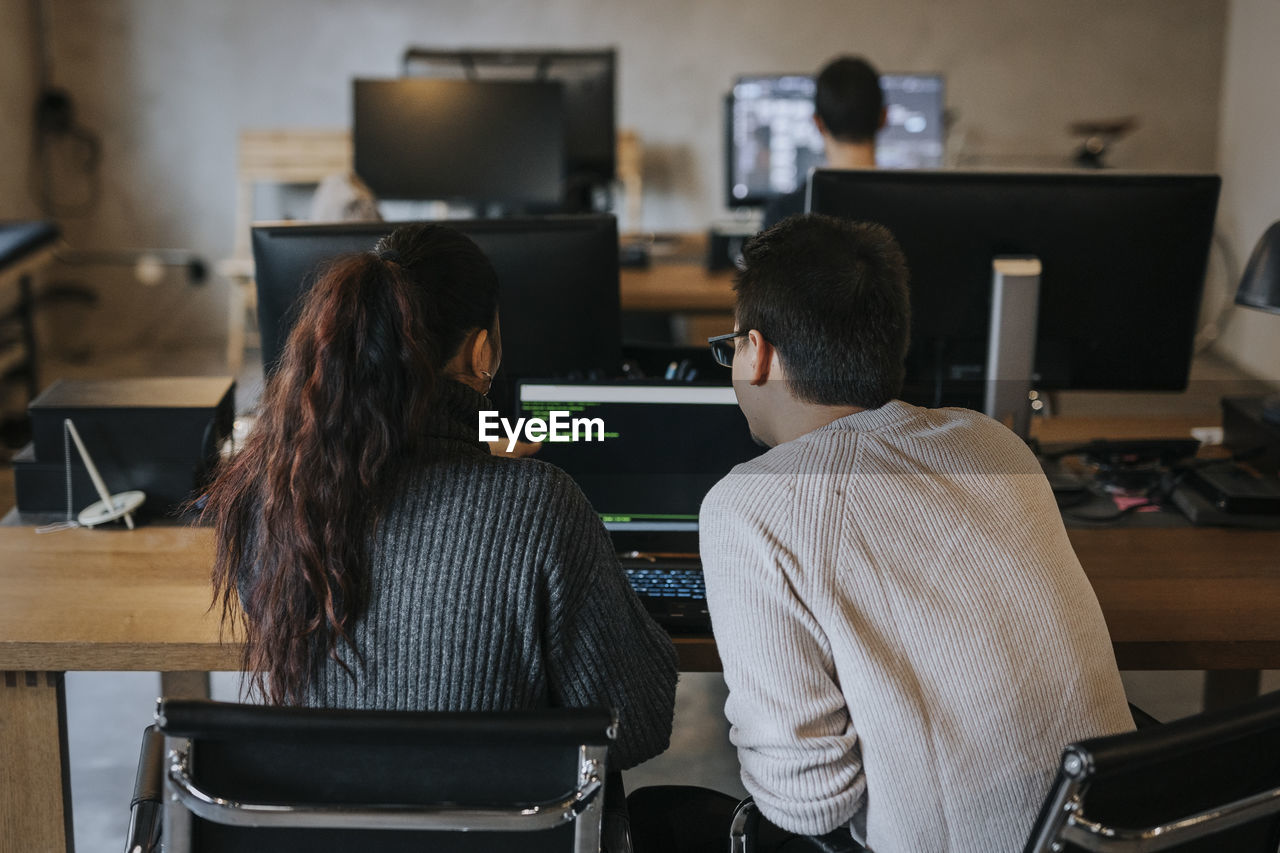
615 832
743 826
447 816
148 794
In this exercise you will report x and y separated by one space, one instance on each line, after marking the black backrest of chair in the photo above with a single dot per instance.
300 755
1157 775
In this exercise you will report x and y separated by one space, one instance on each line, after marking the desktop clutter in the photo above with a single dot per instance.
1232 484
120 450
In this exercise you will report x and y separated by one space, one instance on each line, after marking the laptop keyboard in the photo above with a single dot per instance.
674 595
667 583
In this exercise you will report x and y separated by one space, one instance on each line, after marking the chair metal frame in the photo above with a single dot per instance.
183 798
573 806
1069 823
743 825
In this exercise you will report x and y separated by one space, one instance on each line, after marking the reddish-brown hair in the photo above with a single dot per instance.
340 420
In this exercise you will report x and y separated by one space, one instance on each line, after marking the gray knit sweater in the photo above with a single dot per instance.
908 638
494 586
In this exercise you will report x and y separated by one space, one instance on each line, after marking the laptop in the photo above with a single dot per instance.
645 455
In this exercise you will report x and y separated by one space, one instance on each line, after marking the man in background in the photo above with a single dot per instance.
848 108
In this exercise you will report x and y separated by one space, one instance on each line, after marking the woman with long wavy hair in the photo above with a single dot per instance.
382 557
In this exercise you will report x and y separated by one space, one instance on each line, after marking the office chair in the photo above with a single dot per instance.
744 830
1205 783
230 777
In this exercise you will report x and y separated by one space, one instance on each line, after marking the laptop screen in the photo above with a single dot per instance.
645 455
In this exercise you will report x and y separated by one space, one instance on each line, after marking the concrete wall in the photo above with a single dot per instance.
1249 159
17 97
169 83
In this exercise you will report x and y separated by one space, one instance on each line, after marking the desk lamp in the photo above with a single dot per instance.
1260 288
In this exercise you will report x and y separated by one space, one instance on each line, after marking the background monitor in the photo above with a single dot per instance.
913 133
557 277
771 141
1123 259
458 140
665 447
587 78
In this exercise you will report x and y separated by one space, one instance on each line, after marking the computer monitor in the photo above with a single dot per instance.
1123 261
587 78
771 141
913 134
663 448
557 279
458 140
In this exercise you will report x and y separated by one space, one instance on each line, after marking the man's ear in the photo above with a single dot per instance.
884 118
822 125
761 358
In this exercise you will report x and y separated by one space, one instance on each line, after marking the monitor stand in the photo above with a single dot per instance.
1011 352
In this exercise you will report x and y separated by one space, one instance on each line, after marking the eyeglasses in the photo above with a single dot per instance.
722 347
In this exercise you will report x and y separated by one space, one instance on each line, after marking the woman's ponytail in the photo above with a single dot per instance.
342 418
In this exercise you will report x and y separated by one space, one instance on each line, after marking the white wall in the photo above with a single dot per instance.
169 83
1249 159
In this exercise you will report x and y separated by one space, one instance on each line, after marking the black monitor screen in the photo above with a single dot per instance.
557 277
1123 261
772 141
663 448
587 78
460 140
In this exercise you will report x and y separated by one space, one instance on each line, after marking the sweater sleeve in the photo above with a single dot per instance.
789 721
602 647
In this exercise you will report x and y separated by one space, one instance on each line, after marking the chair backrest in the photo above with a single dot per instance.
1205 783
248 777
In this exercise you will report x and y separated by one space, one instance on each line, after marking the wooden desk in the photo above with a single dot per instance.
685 287
81 600
1185 598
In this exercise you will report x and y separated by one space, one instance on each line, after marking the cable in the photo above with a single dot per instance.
70 521
44 58
54 121
1210 331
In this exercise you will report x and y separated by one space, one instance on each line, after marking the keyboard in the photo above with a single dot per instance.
673 592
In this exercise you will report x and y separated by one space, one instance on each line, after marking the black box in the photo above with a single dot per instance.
1234 488
158 435
724 246
1245 432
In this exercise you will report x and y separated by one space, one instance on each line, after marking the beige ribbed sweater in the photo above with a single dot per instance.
908 638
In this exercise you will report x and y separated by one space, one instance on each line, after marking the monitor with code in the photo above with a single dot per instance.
663 447
772 141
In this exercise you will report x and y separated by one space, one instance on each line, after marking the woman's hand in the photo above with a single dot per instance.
521 449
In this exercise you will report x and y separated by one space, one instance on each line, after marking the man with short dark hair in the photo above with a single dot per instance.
848 108
908 638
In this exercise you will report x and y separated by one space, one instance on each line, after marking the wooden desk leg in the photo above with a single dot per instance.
185 685
1225 688
35 803
27 316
